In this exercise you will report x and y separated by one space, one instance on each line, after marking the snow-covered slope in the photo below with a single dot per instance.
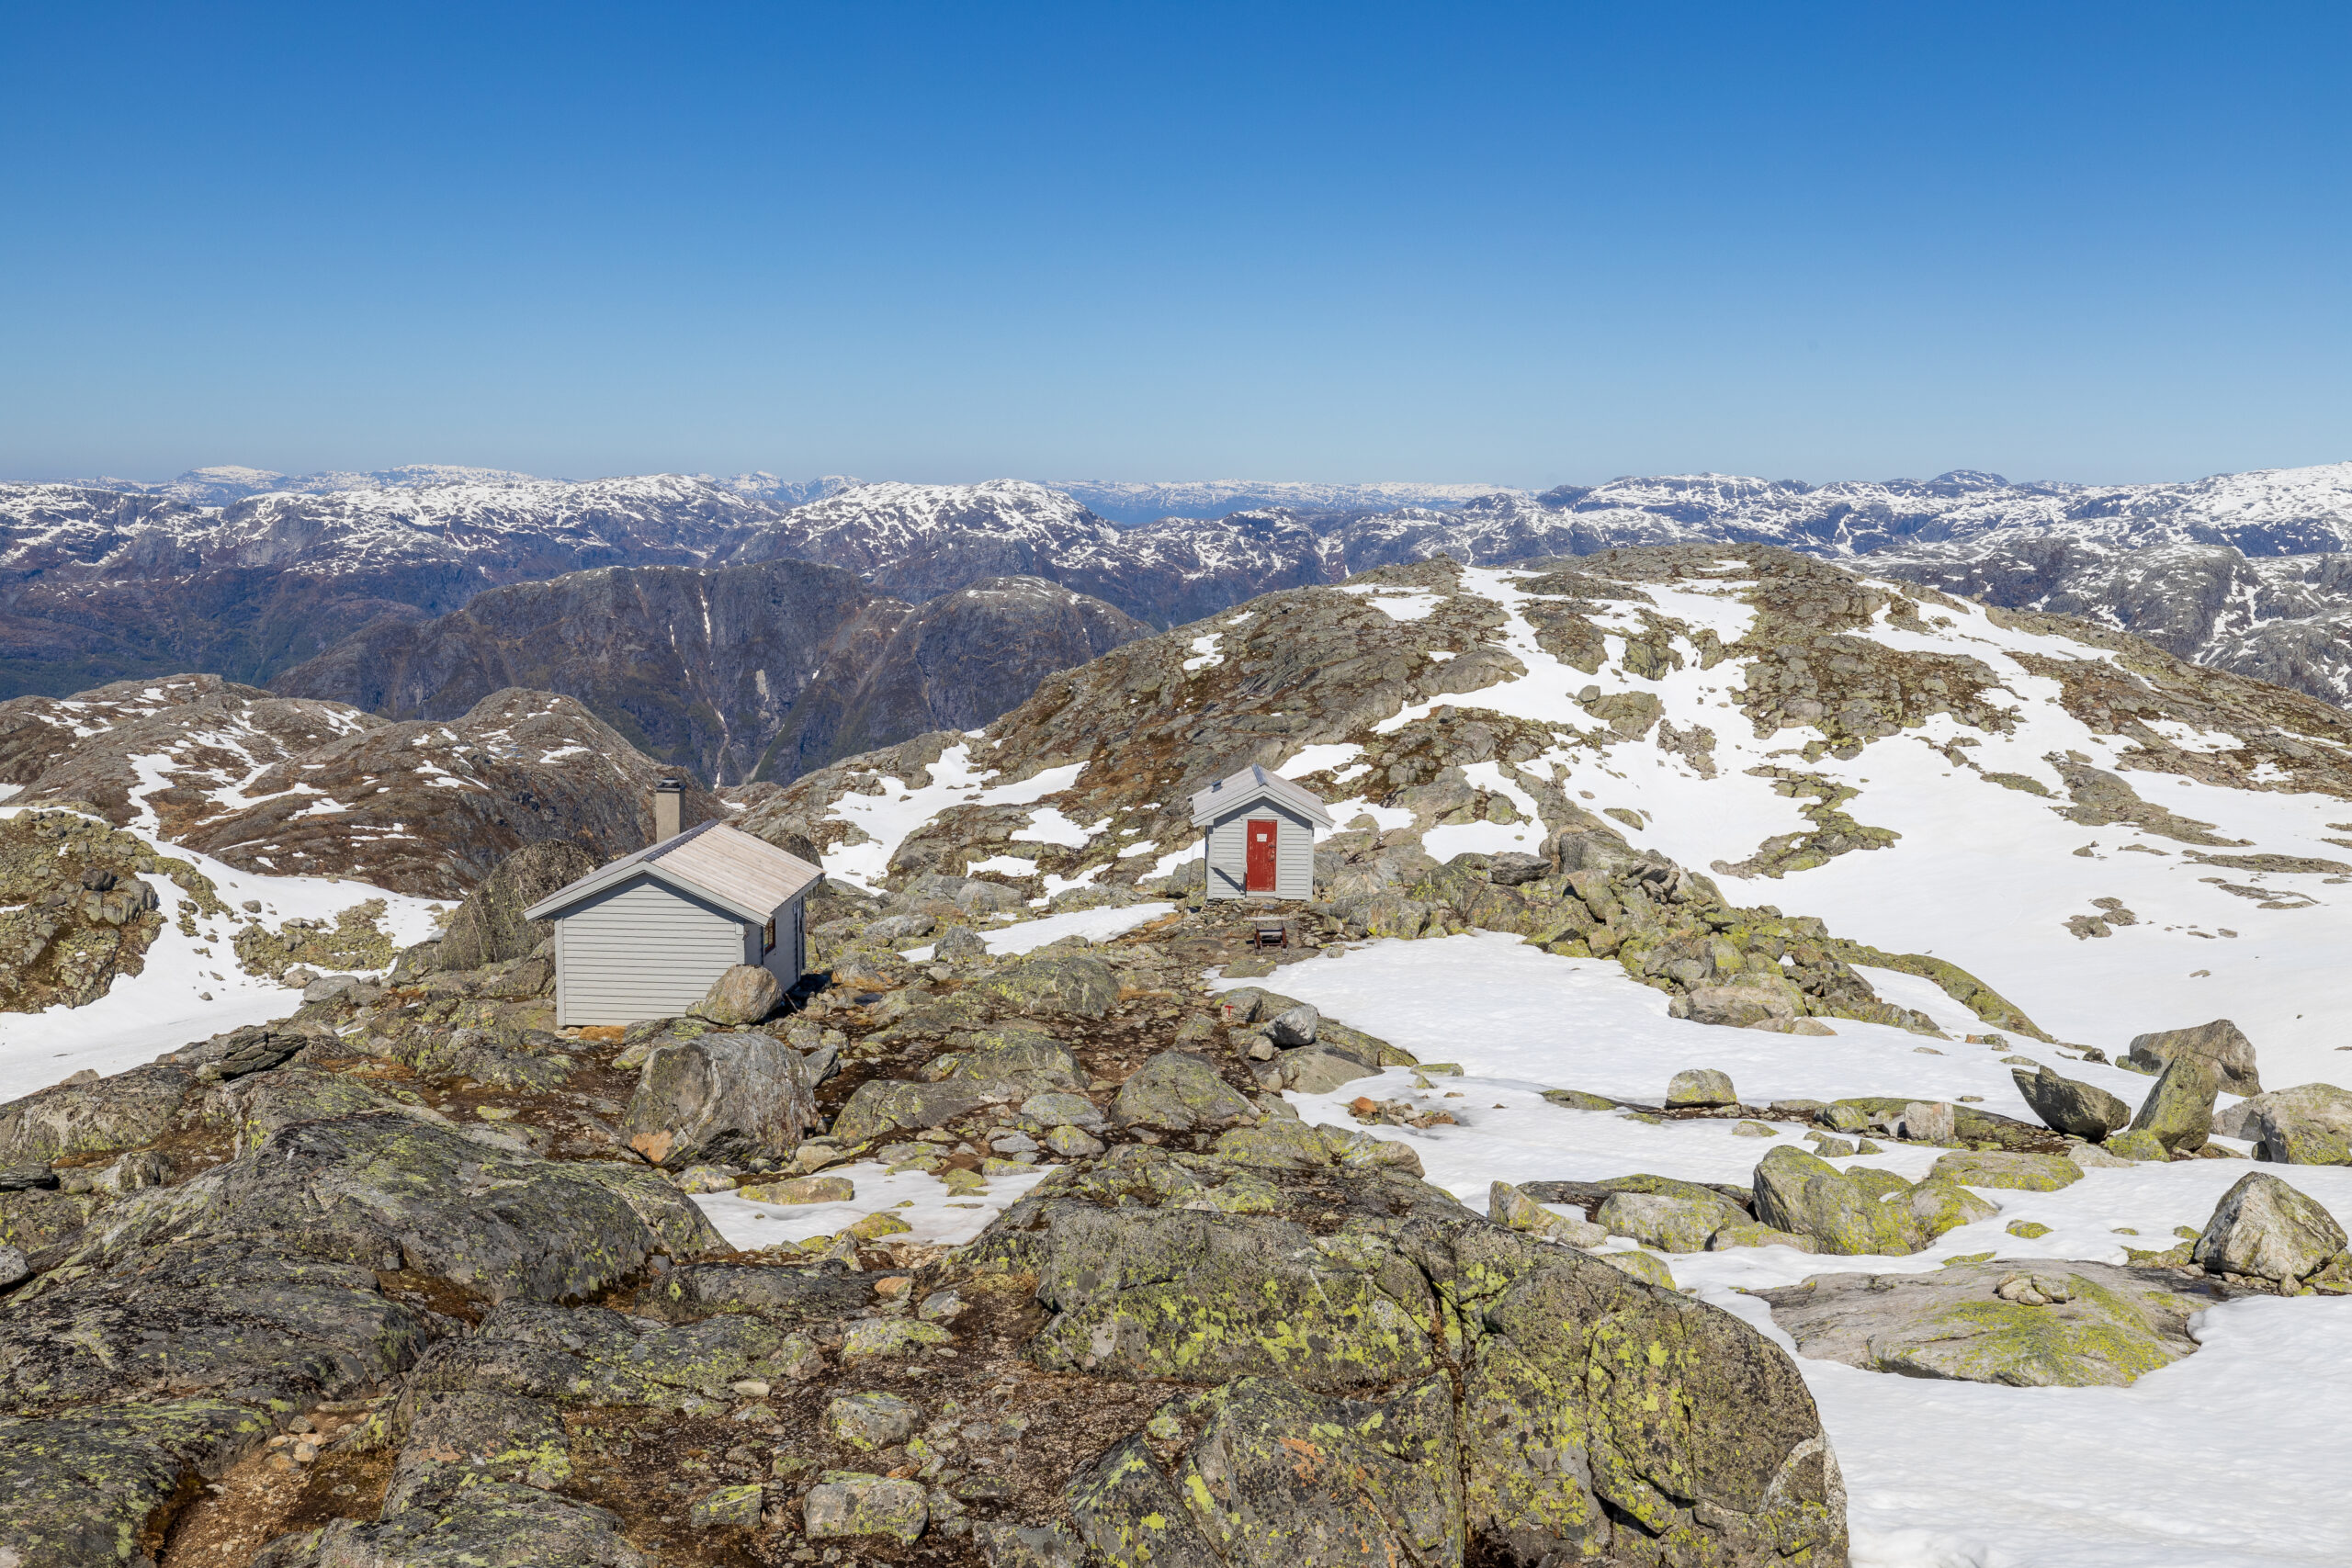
2114 839
917 541
1139 502
192 984
286 785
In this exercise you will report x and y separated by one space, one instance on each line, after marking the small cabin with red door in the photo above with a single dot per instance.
1259 830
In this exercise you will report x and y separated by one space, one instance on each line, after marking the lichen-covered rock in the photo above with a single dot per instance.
74 912
2178 1111
870 1420
1971 1124
2077 1110
96 1116
1030 1546
2140 1147
1700 1087
800 1189
1939 1204
2013 1172
730 1508
1806 1195
1668 1223
353 941
1600 1417
997 1066
878 1336
386 1190
2048 1324
694 1291
1745 1004
1177 1091
2220 1042
959 944
1748 1233
729 1097
2265 1229
847 1503
745 993
2308 1124
492 1522
1280 1475
260 1104
1312 1070
1055 982
1509 1207
77 1489
489 927
1294 1026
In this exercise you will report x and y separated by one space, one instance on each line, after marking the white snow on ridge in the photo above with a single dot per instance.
1982 876
885 819
164 1007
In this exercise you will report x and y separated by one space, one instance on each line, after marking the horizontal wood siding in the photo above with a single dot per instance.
1229 853
641 950
787 961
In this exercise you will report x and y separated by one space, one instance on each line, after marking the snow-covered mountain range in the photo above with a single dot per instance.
247 572
1133 502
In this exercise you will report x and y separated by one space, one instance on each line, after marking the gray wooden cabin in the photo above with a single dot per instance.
645 936
1259 831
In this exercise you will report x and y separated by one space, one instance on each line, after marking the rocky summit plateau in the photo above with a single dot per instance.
1784 1065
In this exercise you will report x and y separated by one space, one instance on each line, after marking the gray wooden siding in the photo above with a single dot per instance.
1228 851
789 959
644 950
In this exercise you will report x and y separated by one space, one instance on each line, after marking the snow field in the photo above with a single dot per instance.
164 1007
934 1214
2231 1458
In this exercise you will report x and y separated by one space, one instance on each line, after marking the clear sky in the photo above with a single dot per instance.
1519 244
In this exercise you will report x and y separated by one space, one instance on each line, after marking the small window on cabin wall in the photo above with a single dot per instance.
768 936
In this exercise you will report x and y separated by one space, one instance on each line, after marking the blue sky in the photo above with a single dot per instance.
1524 244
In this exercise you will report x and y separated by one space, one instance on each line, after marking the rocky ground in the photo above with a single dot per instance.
298 786
396 1281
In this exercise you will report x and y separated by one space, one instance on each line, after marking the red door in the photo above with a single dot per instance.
1259 875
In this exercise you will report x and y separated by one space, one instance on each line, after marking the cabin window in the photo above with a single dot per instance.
768 937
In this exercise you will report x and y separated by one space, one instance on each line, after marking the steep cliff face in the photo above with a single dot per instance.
954 662
759 670
699 667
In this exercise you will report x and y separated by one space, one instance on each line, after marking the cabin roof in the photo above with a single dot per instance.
746 877
1254 783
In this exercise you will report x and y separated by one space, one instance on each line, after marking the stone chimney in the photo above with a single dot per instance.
667 795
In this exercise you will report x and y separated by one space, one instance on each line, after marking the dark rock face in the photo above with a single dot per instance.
956 662
2220 1042
489 927
694 666
759 670
2081 1109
